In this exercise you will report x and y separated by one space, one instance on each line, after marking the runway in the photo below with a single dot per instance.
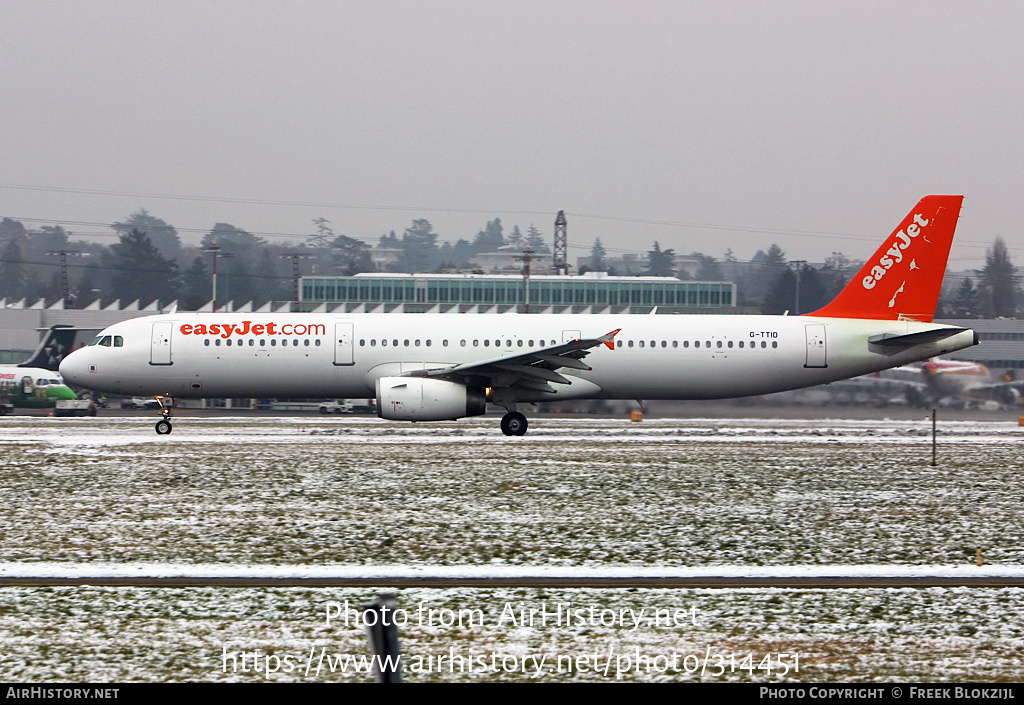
394 577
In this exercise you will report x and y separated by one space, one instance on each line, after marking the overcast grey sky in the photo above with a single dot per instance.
829 119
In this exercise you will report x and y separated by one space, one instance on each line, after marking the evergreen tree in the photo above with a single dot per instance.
998 283
420 252
708 270
782 295
162 235
660 263
965 301
83 288
323 236
490 238
13 273
140 271
597 255
535 241
765 268
196 285
351 256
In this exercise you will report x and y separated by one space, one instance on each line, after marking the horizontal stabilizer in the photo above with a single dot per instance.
911 339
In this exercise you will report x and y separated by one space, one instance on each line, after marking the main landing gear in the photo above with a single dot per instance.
512 424
163 426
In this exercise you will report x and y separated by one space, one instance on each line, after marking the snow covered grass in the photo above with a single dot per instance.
572 493
138 634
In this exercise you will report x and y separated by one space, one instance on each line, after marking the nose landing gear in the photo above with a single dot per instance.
163 426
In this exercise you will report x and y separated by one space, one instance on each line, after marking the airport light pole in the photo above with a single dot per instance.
526 258
215 249
64 254
797 264
296 275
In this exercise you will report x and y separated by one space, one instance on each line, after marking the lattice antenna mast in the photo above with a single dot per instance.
561 255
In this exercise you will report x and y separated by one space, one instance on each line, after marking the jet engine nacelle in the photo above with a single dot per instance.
422 399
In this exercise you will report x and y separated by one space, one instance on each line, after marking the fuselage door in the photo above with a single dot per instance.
815 345
160 347
343 343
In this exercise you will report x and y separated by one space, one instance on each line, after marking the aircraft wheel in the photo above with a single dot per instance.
163 427
514 424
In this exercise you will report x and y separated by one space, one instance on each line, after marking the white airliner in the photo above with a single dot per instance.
35 383
930 382
425 367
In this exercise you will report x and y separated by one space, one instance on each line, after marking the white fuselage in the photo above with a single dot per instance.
321 355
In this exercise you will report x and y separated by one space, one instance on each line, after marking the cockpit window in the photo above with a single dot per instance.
118 341
95 340
105 341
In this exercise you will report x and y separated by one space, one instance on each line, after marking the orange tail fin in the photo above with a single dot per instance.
903 278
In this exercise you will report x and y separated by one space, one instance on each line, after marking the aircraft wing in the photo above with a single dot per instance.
534 370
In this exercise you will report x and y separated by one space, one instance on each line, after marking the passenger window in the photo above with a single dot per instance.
718 344
631 343
252 342
730 343
362 342
775 343
764 344
217 343
641 343
675 343
317 342
487 343
686 343
229 342
273 342
206 342
428 342
306 342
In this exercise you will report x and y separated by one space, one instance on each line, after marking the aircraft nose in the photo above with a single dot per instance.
74 368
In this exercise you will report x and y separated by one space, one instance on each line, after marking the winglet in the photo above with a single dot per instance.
903 278
609 338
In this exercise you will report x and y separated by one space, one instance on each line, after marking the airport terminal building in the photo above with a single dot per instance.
591 292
